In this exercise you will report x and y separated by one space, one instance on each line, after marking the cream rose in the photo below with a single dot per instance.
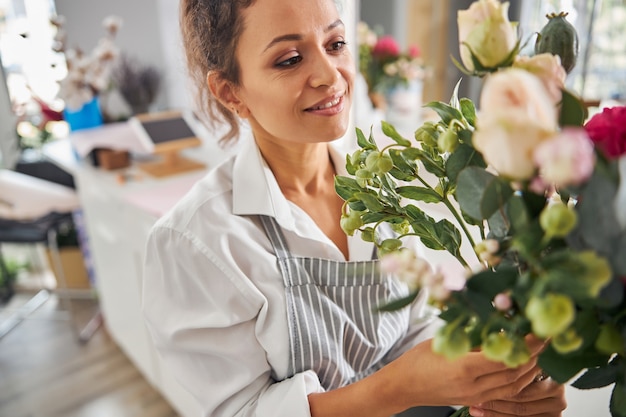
548 68
516 115
485 30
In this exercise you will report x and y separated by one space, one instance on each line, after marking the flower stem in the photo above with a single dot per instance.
446 201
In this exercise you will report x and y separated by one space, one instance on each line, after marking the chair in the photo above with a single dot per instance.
33 211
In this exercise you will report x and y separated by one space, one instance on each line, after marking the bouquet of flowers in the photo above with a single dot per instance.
536 188
384 65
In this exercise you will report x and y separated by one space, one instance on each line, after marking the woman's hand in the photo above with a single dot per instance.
427 378
544 398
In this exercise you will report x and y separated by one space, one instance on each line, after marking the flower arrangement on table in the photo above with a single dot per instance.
384 65
88 74
535 186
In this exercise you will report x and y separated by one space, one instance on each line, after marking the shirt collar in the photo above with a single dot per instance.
255 189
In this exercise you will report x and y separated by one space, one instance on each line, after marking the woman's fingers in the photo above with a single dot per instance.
543 398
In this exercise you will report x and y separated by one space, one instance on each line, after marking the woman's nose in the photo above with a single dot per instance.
324 70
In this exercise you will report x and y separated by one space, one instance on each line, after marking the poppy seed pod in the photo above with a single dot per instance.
559 37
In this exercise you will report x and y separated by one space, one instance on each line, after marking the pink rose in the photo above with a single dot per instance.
608 131
516 115
566 159
386 46
548 68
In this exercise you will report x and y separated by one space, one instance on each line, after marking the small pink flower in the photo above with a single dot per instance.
386 46
502 302
565 159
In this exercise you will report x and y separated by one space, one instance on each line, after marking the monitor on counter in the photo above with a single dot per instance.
166 134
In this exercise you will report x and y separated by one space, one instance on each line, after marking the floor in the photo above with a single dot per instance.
46 371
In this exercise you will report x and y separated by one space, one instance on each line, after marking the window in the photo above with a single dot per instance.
600 72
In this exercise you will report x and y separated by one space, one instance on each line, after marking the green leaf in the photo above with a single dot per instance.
461 158
446 112
517 213
391 132
618 400
564 367
597 377
349 166
491 283
363 142
424 194
407 167
345 187
369 218
399 303
370 201
469 111
573 110
480 193
480 304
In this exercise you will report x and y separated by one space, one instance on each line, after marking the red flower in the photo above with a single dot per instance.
414 51
607 130
386 46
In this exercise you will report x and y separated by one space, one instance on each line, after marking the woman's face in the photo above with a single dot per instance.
296 71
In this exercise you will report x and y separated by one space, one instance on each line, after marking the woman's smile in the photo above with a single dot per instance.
328 107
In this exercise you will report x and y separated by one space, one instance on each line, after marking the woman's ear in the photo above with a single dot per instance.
225 92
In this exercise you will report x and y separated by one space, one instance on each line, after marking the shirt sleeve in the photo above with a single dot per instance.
203 318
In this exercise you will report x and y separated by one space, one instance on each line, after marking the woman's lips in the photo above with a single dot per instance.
331 106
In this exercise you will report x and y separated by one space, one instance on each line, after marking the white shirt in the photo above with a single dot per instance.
213 296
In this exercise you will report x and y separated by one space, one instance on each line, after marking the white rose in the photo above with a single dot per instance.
548 68
485 30
516 115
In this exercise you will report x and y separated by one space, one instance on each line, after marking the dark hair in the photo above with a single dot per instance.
210 32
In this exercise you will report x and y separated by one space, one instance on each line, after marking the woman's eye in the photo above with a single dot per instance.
290 61
337 46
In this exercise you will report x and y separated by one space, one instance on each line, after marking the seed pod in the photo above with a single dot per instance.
559 37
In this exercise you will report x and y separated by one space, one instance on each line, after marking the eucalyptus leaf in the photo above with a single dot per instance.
573 110
562 369
618 400
480 193
596 378
461 158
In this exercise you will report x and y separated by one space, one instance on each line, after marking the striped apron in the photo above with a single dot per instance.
333 328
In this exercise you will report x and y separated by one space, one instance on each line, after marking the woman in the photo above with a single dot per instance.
253 294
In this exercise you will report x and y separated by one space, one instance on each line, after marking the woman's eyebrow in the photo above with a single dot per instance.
297 36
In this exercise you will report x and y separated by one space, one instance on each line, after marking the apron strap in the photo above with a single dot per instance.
276 236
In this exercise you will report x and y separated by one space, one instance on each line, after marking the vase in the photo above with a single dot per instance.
86 117
404 106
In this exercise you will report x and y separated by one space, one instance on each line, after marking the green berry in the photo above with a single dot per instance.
550 315
448 141
557 220
566 342
350 223
497 347
452 342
